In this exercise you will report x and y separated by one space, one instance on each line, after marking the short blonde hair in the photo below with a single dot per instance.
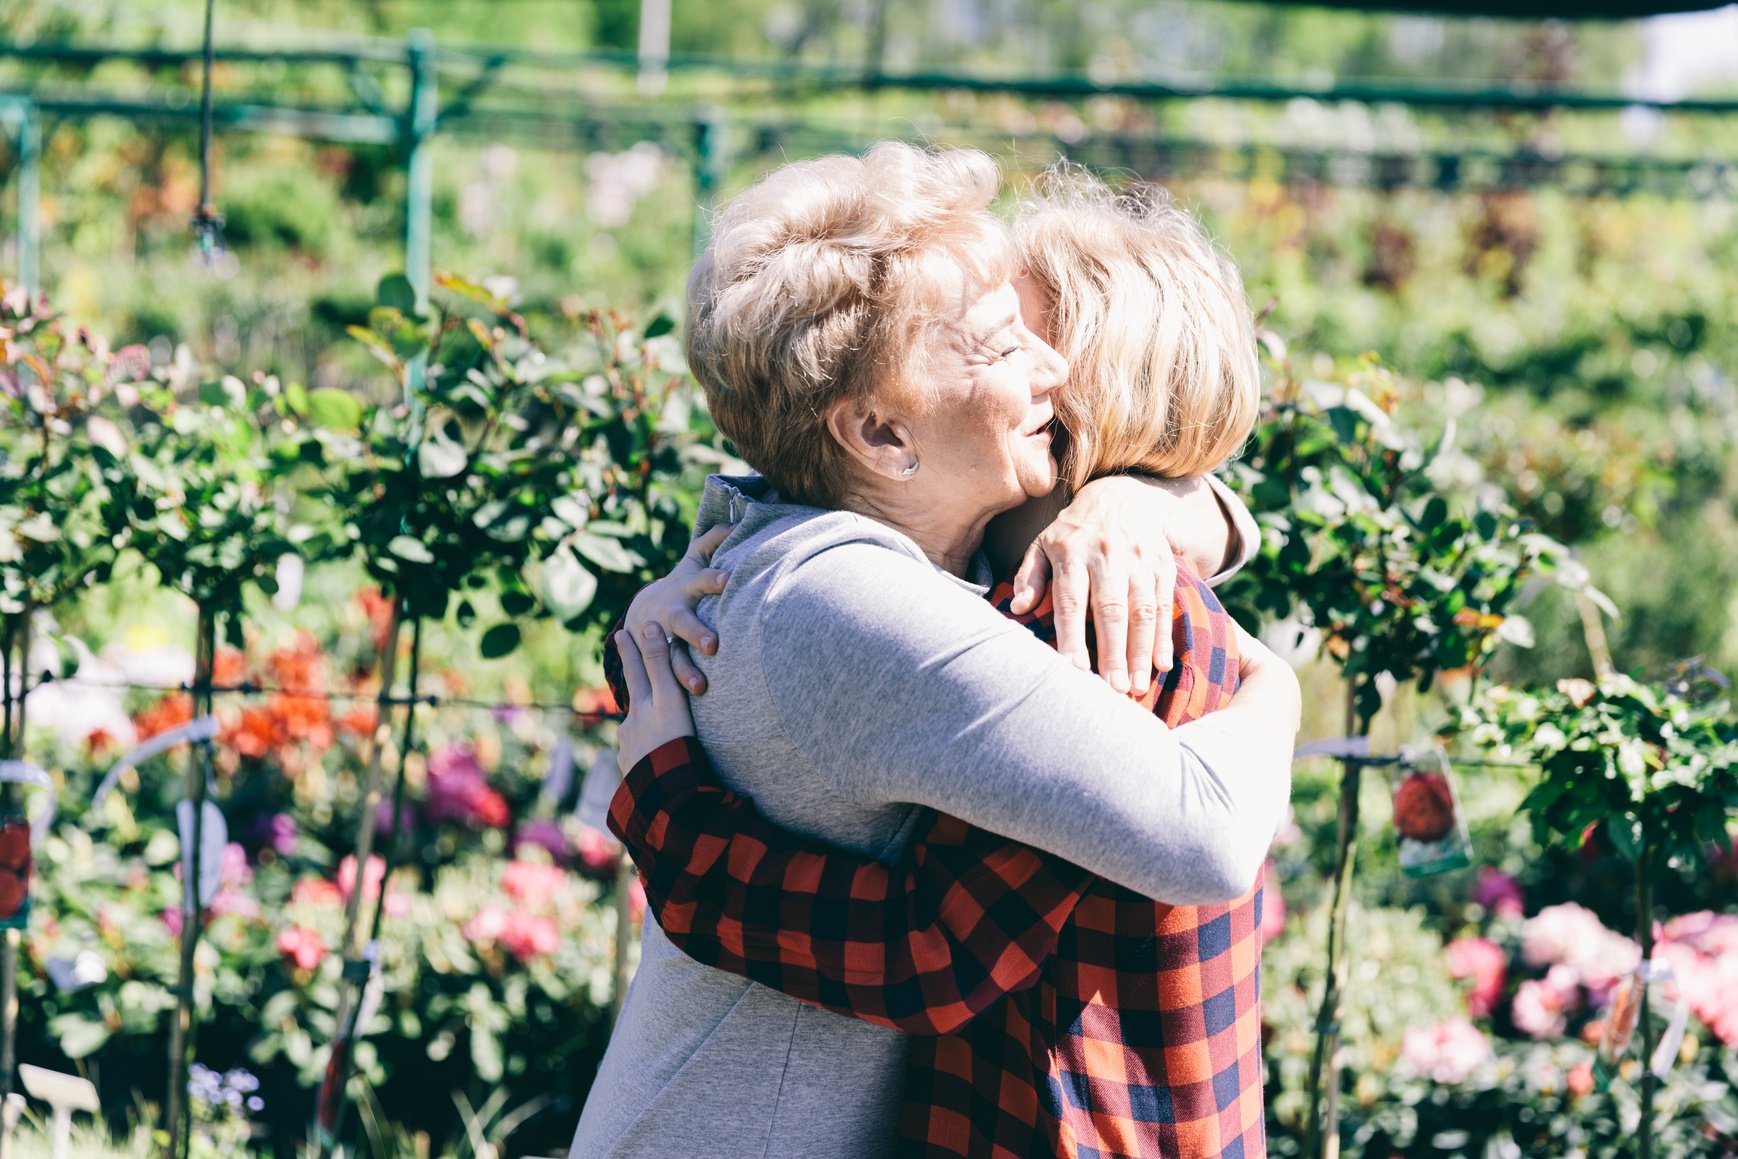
819 285
1153 321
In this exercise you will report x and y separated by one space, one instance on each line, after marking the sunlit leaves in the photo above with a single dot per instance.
1360 544
1655 766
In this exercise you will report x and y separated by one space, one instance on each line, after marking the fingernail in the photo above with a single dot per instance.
694 685
1119 682
709 642
652 632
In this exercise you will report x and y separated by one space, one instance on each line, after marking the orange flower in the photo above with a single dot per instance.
360 719
172 711
228 667
300 665
595 702
254 733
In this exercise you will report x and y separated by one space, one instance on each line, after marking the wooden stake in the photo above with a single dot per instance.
184 1030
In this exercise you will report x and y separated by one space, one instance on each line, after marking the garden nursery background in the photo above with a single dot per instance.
312 514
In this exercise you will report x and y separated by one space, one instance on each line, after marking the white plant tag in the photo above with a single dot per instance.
559 778
193 731
214 840
601 780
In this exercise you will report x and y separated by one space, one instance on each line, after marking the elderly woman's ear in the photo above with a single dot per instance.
879 443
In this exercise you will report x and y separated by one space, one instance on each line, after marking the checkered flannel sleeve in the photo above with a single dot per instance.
923 946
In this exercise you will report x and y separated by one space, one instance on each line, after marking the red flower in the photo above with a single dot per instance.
303 948
1424 807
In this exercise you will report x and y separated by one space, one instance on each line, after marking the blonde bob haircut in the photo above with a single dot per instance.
820 284
1152 319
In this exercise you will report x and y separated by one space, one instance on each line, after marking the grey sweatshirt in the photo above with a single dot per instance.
856 688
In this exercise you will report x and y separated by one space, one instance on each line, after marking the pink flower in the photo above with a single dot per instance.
597 850
525 936
317 891
1483 963
397 905
233 901
1572 935
371 883
172 920
545 835
1448 1052
302 947
486 926
458 790
529 936
1542 1006
236 871
1272 905
1706 933
637 898
1708 982
532 884
1498 894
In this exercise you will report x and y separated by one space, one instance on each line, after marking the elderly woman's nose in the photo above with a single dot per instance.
1051 369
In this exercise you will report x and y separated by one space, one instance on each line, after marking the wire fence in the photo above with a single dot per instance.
404 93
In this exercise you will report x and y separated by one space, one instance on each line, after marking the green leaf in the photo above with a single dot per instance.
439 457
396 292
499 641
79 1036
1626 836
517 603
660 326
334 409
606 553
296 398
568 588
486 1054
410 550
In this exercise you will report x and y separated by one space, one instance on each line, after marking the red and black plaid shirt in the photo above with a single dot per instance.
1129 1027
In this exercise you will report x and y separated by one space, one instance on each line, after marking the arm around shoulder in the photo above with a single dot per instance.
898 684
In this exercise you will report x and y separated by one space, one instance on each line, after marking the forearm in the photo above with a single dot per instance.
923 946
953 708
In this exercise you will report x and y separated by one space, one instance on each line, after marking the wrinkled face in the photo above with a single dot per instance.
985 435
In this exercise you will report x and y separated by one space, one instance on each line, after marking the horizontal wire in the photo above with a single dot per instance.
258 688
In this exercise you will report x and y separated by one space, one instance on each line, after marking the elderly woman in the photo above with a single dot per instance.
854 325
1014 1061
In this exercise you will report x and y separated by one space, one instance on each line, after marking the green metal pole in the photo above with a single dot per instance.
419 129
29 200
712 149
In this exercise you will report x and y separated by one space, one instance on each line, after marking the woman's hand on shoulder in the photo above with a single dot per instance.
658 710
1107 554
670 603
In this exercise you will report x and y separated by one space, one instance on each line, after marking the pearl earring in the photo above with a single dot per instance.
908 472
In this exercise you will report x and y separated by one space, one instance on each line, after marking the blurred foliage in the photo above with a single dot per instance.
1654 766
1360 543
